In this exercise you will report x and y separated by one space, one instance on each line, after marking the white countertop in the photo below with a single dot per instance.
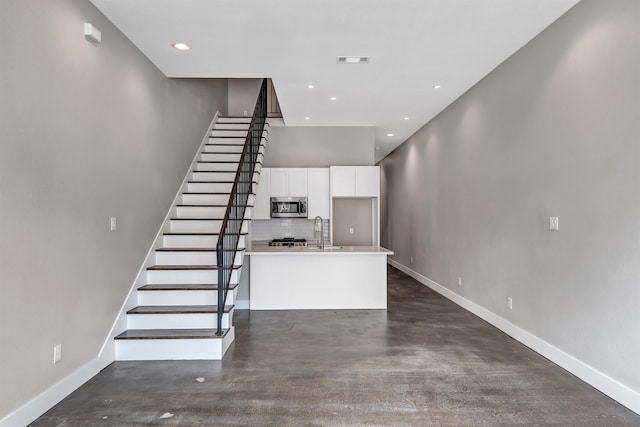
259 249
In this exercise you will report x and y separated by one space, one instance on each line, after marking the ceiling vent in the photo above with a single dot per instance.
353 59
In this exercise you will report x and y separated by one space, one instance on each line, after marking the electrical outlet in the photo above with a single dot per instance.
459 281
114 225
246 113
351 230
57 353
510 303
553 223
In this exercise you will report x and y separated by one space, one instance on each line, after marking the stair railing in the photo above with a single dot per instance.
231 228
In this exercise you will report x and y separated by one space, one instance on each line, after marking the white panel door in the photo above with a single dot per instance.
343 181
367 181
279 183
262 205
318 192
297 182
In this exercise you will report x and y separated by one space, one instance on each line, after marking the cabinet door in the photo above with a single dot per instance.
297 182
367 181
343 181
279 184
318 192
261 207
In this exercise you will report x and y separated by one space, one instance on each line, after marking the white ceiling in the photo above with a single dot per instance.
413 45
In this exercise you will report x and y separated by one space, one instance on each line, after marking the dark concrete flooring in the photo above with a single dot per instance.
424 362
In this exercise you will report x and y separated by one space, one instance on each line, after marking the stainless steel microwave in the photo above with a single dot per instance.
288 207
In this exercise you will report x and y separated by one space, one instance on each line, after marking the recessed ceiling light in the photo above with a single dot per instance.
181 46
436 86
391 134
377 148
333 98
307 118
353 59
311 86
406 118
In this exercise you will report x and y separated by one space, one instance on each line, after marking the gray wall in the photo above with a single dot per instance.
243 94
316 147
553 131
356 214
87 133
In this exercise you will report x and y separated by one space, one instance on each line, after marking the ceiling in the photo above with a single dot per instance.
413 45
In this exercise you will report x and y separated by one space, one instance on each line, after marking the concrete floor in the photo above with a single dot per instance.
424 362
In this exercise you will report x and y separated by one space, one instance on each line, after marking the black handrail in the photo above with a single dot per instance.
242 187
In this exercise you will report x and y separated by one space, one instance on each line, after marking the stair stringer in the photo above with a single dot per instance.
108 349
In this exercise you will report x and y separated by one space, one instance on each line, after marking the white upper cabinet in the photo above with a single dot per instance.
343 181
288 182
367 181
318 192
298 182
355 181
279 182
262 204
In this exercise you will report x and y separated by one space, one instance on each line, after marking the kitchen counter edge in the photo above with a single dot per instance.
313 250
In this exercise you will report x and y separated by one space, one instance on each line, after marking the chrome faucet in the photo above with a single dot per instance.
319 226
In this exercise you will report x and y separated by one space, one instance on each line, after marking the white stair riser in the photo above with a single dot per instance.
184 297
237 133
195 241
200 211
186 349
234 139
155 277
176 321
192 258
201 187
231 167
205 199
208 226
193 212
224 148
213 176
233 119
210 187
227 125
217 157
220 157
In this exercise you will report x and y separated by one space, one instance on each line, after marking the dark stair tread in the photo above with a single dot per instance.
223 171
220 182
194 250
202 194
178 309
168 334
184 287
209 206
187 267
201 234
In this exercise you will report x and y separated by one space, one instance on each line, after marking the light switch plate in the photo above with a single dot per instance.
114 224
57 353
553 223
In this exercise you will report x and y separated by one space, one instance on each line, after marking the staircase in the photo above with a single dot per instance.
177 311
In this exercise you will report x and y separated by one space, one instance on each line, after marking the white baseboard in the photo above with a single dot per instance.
242 304
46 400
607 385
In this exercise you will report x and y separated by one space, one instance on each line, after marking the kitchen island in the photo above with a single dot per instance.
338 277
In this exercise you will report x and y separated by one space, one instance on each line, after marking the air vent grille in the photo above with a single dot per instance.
353 59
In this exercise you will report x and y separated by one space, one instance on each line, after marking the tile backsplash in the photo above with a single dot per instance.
286 227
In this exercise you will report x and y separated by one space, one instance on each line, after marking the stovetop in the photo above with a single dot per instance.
288 242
